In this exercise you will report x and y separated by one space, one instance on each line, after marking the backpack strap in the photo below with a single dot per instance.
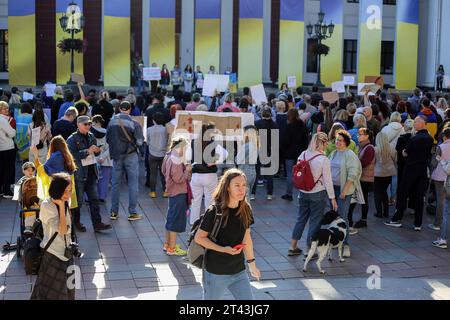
321 175
49 243
218 219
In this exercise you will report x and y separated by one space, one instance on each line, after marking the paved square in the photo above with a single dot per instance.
128 262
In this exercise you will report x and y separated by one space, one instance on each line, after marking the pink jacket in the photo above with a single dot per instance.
176 175
439 173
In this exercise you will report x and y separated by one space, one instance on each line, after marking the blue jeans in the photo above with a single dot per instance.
312 208
130 164
445 215
289 165
214 286
343 206
89 187
250 173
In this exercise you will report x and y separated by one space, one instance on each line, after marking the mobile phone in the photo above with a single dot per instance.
239 246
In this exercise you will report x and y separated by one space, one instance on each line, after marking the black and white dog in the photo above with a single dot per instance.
331 235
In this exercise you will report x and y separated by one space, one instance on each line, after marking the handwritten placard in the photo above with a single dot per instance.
258 94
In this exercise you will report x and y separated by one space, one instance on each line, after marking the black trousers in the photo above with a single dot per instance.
7 170
366 188
440 84
414 182
155 165
381 196
269 179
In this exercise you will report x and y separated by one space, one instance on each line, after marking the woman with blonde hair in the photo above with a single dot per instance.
247 156
313 202
341 117
385 169
177 176
226 256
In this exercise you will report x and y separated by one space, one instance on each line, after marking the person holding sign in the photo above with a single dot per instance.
165 77
188 78
283 90
199 78
39 127
176 78
7 152
83 146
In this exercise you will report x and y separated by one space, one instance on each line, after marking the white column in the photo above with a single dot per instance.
226 36
187 33
146 32
428 22
266 40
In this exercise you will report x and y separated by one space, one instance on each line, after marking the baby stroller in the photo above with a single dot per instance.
29 212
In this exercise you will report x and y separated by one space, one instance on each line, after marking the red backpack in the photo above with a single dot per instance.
302 176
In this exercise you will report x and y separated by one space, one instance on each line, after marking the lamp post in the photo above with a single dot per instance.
72 22
320 31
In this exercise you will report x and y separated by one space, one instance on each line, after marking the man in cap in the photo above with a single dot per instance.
83 146
125 137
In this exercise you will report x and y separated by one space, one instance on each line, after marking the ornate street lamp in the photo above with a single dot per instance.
72 22
322 31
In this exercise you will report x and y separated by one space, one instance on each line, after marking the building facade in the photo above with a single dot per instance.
137 36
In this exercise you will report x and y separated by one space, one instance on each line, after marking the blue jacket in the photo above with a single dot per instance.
78 145
118 142
55 164
63 109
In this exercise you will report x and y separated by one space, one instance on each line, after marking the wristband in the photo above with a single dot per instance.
251 260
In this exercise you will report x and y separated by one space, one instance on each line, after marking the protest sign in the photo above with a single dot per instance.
338 86
229 125
151 74
292 82
215 82
363 87
258 94
331 97
50 89
27 96
379 80
35 136
78 78
142 120
349 80
446 82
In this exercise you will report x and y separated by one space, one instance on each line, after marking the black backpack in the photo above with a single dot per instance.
33 253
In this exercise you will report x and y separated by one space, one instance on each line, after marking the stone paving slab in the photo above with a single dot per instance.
128 262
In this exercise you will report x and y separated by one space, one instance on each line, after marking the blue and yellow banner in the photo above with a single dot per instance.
406 44
22 42
292 39
250 42
117 40
162 32
370 38
332 63
63 60
207 33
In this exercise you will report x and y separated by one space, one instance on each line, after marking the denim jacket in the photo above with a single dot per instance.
78 146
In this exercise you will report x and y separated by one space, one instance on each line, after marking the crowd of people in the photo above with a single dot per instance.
377 142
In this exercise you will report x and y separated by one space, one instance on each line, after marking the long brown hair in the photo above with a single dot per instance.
59 144
221 197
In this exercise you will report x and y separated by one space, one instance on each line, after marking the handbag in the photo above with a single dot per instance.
196 254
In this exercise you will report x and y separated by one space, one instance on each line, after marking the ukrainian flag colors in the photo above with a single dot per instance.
292 39
332 63
162 32
250 42
370 37
207 33
117 43
63 60
407 44
22 42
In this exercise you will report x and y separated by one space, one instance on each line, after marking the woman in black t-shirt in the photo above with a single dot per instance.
225 258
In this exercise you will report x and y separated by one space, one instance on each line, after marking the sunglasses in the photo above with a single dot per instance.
87 124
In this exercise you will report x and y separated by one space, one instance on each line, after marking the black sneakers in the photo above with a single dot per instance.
287 197
360 224
294 252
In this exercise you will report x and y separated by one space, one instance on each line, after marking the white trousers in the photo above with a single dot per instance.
201 184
